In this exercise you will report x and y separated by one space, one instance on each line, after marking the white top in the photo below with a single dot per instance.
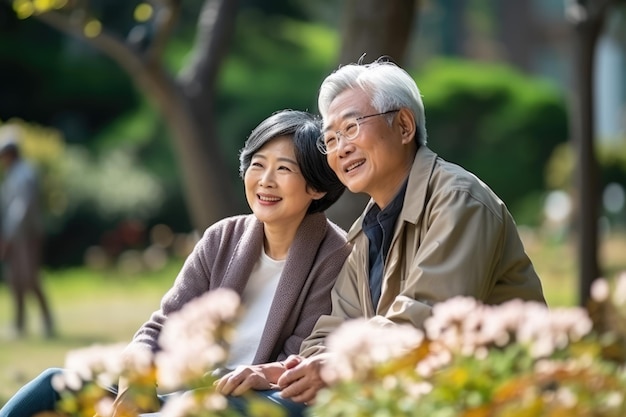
256 299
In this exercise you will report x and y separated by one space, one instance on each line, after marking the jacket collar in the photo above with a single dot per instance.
416 191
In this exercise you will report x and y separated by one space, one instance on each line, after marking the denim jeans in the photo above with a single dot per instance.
38 396
240 404
34 397
292 409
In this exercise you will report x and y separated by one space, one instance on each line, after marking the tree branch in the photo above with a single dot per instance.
588 12
167 13
108 43
216 25
148 75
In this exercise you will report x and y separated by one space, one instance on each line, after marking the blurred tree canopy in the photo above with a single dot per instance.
185 96
498 123
501 125
136 130
52 79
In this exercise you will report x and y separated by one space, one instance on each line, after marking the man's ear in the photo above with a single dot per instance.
407 125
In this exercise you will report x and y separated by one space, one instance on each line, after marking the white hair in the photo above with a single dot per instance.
388 86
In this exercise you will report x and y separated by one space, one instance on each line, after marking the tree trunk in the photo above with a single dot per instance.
216 24
208 195
187 106
186 103
586 176
588 18
376 28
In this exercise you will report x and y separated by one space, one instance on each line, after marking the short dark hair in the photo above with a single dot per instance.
10 136
304 128
10 149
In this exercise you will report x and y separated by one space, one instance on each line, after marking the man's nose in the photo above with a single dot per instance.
344 146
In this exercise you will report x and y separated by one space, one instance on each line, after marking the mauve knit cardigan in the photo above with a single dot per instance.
224 257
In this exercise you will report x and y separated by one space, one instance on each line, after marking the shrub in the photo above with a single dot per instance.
496 122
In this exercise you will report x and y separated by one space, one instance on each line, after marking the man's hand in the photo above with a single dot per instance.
244 378
302 380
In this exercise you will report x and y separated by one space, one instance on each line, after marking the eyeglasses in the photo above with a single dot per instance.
329 141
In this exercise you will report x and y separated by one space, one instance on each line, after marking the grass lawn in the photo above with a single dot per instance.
89 307
106 307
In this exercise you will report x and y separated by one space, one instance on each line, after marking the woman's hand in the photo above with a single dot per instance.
255 377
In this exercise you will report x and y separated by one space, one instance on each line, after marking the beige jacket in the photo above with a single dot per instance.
453 237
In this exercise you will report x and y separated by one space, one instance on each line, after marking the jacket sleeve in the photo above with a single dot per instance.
463 251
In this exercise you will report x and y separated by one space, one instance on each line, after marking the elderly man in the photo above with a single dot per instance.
431 230
22 229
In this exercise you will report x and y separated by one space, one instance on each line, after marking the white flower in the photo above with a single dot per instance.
465 326
137 361
600 290
105 407
67 380
101 362
194 403
357 346
181 406
192 339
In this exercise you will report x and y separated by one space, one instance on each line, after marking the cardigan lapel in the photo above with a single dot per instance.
246 254
300 259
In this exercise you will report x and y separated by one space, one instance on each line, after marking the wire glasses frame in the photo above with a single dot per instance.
328 142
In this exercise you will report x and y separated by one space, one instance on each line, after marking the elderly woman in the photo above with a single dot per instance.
282 259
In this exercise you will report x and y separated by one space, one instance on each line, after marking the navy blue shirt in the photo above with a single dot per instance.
378 226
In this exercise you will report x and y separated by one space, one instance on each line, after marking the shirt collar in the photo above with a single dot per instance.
392 210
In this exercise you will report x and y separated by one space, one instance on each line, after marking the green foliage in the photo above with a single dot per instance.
45 148
275 64
26 8
560 167
134 128
58 80
497 123
529 208
611 157
90 99
99 190
114 185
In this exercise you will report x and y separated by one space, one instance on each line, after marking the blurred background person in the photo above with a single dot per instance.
21 230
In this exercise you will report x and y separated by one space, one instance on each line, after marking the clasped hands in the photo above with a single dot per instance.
297 378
